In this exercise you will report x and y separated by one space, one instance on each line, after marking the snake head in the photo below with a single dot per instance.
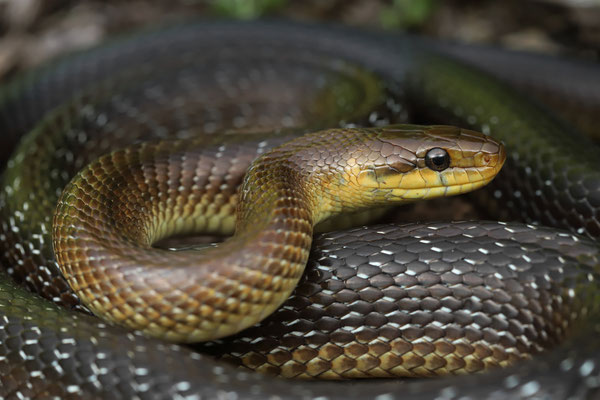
416 162
348 169
404 163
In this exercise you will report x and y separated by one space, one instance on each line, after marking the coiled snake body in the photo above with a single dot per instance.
418 298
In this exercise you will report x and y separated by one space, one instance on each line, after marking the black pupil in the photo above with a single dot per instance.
437 159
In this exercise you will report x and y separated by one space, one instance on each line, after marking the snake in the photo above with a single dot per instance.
373 301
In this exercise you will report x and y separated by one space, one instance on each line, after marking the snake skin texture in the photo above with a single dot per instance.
372 291
574 96
48 352
109 216
537 286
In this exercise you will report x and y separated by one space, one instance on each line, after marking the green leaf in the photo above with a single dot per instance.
404 14
245 9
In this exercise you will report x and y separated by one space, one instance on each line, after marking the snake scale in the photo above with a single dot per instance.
507 284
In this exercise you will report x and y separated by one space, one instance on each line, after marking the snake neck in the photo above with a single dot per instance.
305 181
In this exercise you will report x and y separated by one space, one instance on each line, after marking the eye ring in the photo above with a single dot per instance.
437 159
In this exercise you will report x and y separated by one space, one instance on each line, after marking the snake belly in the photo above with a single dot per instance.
50 352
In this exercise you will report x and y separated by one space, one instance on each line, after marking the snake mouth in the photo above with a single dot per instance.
439 190
445 188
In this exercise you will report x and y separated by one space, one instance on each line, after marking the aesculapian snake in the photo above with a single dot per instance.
480 285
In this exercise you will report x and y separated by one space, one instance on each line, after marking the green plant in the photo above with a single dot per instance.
245 9
404 14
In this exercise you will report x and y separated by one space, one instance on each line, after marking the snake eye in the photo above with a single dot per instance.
437 159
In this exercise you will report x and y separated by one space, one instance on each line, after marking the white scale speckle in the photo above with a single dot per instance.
57 367
447 393
566 364
73 389
511 382
141 371
586 368
218 370
529 389
183 386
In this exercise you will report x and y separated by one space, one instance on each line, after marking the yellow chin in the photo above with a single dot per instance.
416 179
439 191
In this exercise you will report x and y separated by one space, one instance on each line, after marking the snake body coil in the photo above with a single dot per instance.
513 285
102 242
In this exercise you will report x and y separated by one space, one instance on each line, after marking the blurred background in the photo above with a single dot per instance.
32 31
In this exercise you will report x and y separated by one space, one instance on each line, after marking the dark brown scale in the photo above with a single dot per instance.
528 326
